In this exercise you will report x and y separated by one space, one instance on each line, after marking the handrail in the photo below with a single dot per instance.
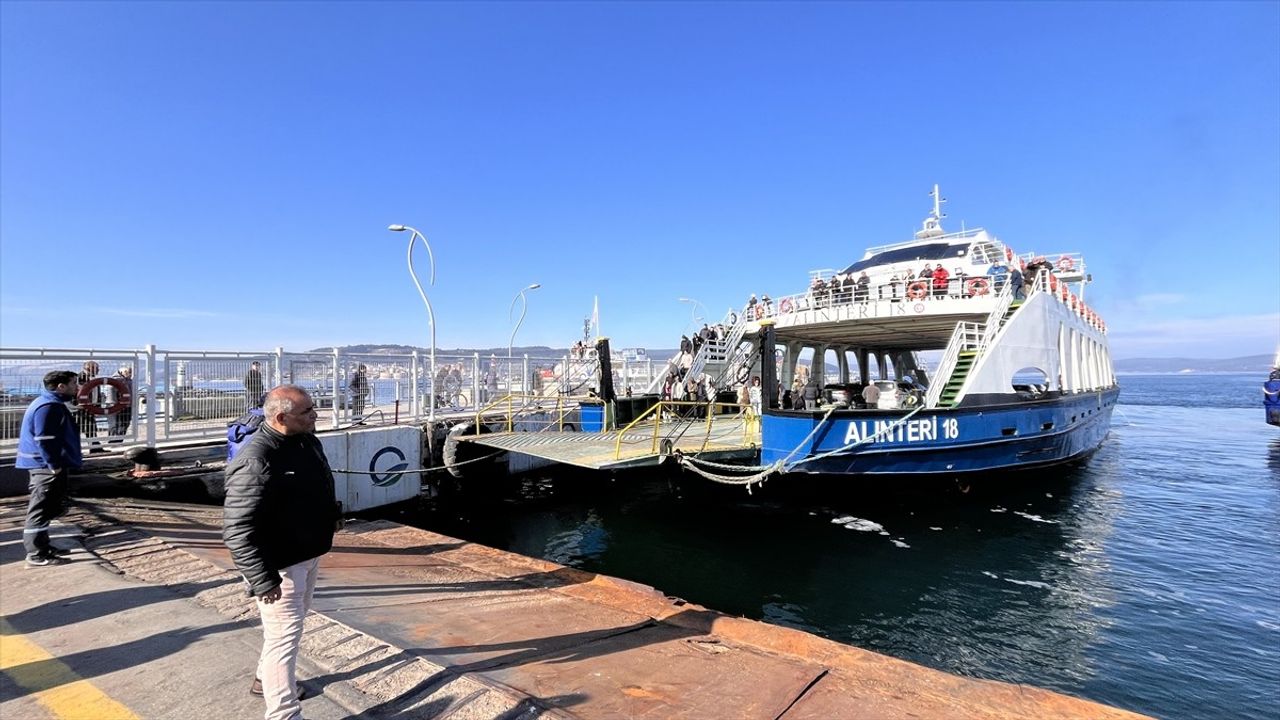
708 348
1004 298
946 365
656 412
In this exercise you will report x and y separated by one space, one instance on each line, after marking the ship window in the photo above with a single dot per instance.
1046 427
1009 432
912 254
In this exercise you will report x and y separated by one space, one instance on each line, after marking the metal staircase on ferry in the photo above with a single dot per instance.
967 344
714 357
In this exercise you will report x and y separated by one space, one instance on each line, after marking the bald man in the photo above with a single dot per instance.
279 517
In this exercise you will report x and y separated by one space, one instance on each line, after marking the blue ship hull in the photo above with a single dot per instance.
953 441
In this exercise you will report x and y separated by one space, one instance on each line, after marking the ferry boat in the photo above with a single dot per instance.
1271 393
982 370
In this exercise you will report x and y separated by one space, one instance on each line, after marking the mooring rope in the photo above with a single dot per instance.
887 429
760 473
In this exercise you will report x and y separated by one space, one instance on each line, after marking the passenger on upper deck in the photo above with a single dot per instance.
940 276
818 292
893 288
1015 280
998 274
861 287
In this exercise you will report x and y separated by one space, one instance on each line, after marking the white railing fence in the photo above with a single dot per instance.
185 394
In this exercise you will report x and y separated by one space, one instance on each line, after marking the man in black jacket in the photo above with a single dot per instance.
278 519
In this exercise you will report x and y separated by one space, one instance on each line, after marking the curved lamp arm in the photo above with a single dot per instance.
431 316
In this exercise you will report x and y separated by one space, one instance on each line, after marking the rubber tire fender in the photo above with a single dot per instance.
455 452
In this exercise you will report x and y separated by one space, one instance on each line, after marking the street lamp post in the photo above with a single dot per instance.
693 310
524 308
431 316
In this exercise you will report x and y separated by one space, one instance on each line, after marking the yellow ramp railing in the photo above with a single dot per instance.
519 402
670 410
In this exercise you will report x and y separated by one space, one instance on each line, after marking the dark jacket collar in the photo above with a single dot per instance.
279 439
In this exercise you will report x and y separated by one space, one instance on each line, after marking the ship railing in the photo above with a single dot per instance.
1004 298
966 336
1068 266
680 417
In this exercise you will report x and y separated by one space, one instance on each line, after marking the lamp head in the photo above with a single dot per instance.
534 286
396 228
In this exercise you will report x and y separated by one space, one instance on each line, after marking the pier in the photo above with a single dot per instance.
151 620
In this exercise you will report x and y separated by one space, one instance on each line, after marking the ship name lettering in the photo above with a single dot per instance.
882 431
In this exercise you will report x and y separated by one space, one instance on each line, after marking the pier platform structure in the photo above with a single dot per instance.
150 620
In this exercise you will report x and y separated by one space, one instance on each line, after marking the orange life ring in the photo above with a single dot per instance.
124 396
917 290
786 306
978 286
1053 283
1008 253
1065 264
759 310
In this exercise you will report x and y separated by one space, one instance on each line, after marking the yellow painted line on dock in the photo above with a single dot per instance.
56 686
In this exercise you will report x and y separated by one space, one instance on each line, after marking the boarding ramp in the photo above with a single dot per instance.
711 431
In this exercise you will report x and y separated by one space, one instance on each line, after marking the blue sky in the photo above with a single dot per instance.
221 175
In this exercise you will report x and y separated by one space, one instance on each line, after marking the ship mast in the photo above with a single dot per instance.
932 226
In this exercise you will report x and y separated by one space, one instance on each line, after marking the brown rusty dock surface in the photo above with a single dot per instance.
410 623
723 438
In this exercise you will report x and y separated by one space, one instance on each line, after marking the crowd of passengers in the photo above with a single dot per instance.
931 282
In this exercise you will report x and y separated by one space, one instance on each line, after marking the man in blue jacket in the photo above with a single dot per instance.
48 448
278 518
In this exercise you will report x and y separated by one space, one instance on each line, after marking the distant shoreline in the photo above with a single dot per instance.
1120 373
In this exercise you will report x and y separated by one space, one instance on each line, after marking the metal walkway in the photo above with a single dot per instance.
724 438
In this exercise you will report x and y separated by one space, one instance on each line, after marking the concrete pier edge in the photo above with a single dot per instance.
372 678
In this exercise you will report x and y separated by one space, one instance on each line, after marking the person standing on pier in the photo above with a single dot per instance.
87 421
120 421
253 386
359 387
48 448
279 517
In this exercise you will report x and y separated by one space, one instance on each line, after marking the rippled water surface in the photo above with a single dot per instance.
1146 578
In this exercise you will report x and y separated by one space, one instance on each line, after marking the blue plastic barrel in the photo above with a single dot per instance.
592 417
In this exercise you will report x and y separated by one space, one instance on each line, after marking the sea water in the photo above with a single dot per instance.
1146 578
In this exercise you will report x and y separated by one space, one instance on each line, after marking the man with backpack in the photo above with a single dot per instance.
279 517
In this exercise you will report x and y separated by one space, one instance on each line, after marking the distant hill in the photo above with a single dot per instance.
1249 363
